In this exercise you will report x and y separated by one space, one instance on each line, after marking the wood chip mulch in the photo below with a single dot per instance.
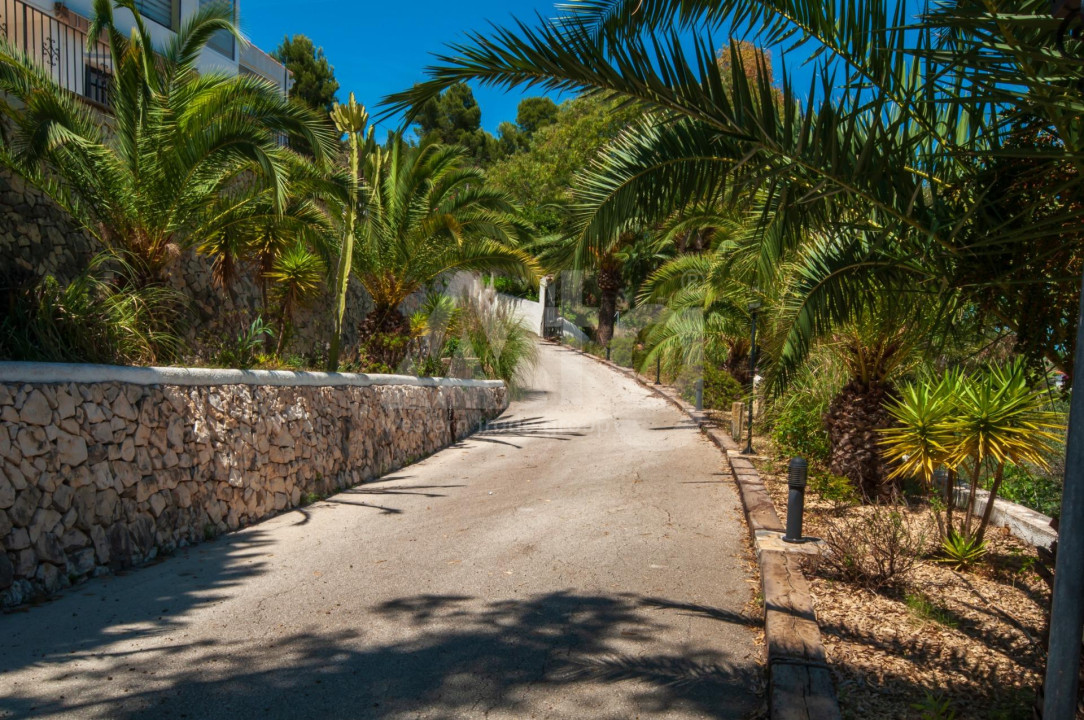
970 648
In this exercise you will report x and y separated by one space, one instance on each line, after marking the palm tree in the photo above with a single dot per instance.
880 161
153 179
426 213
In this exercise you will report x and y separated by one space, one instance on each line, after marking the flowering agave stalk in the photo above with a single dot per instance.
351 119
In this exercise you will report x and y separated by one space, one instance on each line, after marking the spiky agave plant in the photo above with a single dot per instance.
297 278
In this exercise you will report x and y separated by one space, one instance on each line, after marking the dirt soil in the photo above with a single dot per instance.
946 645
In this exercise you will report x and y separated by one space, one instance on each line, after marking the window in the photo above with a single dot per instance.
160 11
222 41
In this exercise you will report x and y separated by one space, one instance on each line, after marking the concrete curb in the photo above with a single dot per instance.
55 373
800 685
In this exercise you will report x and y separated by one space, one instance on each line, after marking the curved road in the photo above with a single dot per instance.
581 558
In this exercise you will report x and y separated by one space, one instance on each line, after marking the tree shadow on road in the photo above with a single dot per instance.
442 657
500 431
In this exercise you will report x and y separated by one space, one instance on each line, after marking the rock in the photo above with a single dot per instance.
32 441
15 476
123 408
62 498
175 434
120 546
127 474
105 507
101 544
5 526
74 540
5 443
147 486
7 490
65 405
45 521
83 504
183 496
49 577
71 449
17 539
26 562
158 503
101 432
36 410
22 510
81 562
142 534
49 549
7 571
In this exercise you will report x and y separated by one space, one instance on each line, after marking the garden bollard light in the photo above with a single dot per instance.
700 394
658 369
607 353
796 478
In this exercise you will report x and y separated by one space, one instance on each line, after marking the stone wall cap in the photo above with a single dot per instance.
54 373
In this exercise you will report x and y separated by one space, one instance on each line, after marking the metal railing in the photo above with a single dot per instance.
60 48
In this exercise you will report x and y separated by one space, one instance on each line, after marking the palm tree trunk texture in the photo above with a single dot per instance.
852 420
609 283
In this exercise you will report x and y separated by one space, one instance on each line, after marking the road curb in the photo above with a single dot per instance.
800 685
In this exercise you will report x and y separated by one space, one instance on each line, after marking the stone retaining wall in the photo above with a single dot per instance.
103 468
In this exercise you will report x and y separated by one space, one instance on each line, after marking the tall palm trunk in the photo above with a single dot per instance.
853 419
609 283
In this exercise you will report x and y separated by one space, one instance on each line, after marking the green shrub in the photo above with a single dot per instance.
102 316
836 489
721 390
243 352
500 344
798 427
1032 487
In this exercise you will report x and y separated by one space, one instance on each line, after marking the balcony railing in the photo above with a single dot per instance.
60 48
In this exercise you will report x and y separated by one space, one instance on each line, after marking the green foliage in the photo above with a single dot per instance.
454 118
721 390
836 489
972 422
427 213
314 78
101 316
540 177
962 551
796 419
1032 487
929 610
498 343
186 155
244 351
934 707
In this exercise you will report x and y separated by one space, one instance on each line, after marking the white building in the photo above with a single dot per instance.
55 34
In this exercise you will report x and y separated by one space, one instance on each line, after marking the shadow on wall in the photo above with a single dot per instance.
457 655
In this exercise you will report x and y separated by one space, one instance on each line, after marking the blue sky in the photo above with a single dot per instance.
380 47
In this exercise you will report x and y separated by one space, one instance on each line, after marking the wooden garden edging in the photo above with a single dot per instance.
800 685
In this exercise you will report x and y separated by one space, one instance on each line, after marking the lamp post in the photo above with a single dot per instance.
754 305
1067 605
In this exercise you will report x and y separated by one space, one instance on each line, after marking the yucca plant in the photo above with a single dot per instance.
297 279
971 423
1000 419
